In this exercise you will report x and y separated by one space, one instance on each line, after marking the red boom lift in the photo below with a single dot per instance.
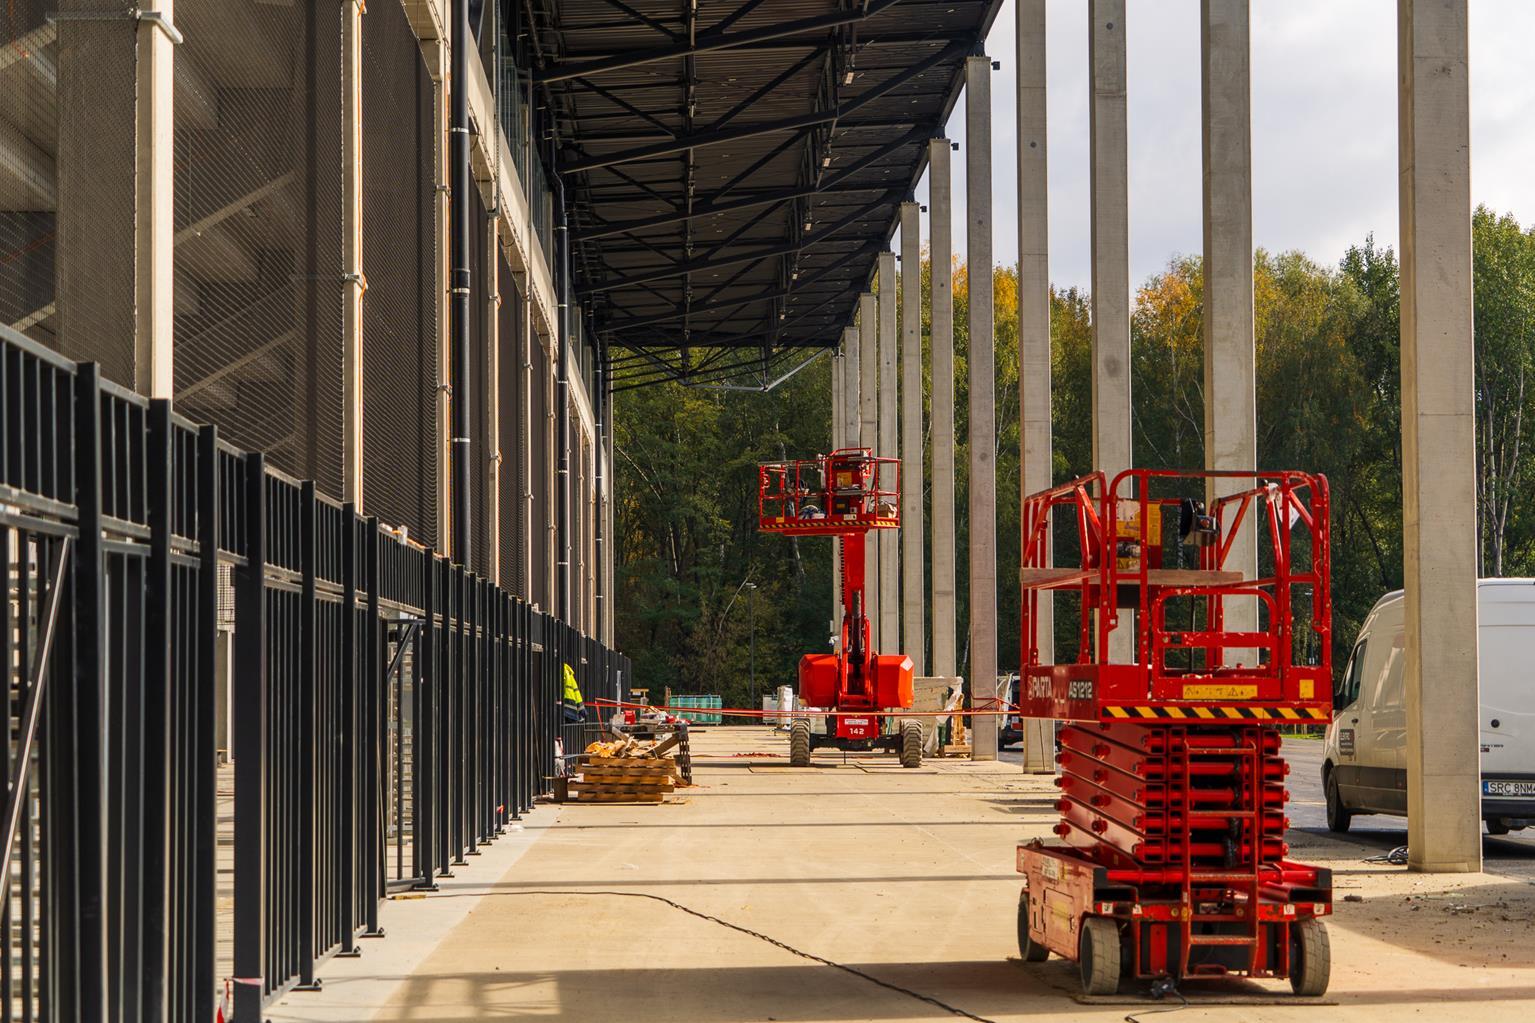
845 494
1171 863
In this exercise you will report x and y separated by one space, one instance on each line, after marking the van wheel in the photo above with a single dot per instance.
1495 826
1338 815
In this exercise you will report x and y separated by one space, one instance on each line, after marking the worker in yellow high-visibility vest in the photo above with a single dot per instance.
571 703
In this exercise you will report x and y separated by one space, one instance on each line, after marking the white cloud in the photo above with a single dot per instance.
1324 127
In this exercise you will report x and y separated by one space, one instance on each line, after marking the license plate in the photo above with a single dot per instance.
1497 787
856 722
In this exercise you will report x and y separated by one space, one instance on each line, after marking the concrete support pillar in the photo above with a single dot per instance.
852 360
491 399
1438 439
941 343
154 329
1231 423
354 284
868 437
115 190
1034 422
1109 186
913 589
838 429
889 447
983 413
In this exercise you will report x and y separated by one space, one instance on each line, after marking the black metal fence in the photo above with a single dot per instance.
390 711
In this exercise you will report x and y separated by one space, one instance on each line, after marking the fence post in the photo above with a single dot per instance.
471 716
375 701
424 730
87 809
249 742
155 702
307 740
205 729
349 733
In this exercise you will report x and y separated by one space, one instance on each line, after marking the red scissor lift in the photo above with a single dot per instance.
1171 860
845 494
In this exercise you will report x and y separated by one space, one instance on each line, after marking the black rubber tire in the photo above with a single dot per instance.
1310 958
911 744
1495 826
799 744
1029 950
1098 956
1338 816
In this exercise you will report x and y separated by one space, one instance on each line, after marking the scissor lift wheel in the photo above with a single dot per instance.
1029 950
911 744
1099 957
799 744
1310 958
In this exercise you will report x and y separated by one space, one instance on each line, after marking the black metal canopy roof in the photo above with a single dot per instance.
733 167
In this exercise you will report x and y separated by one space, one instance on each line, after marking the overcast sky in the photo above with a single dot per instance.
1324 127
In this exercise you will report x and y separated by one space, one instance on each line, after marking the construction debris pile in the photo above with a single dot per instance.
630 770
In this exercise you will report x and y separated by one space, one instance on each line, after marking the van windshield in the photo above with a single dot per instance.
1347 690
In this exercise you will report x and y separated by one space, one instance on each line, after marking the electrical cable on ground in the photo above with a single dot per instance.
1160 989
919 996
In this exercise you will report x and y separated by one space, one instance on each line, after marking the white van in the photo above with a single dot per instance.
1364 767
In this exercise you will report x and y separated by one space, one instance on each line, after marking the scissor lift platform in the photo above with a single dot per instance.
1170 862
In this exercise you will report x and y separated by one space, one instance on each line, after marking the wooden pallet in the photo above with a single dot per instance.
956 750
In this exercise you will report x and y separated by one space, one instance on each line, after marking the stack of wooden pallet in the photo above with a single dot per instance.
626 771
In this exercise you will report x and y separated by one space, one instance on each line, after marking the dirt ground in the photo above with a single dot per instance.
904 876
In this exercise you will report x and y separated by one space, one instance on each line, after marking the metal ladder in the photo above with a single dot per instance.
1239 881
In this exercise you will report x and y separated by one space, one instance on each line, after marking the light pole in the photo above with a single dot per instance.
751 631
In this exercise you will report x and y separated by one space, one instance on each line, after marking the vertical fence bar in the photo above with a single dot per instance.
348 732
156 703
202 941
424 756
80 960
305 743
375 701
250 747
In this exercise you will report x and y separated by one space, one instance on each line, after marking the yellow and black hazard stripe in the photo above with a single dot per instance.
1201 713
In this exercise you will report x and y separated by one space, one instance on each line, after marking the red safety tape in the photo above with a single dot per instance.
1000 710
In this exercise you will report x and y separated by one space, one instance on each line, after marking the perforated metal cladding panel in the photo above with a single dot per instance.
96 68
513 541
28 182
399 261
258 228
538 539
480 446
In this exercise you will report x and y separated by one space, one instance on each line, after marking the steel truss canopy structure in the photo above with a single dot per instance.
733 168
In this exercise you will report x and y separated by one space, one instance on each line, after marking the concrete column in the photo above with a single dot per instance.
889 447
913 590
1109 186
444 425
491 400
838 422
868 436
941 249
851 400
983 412
1034 422
1438 439
1231 424
353 283
154 329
